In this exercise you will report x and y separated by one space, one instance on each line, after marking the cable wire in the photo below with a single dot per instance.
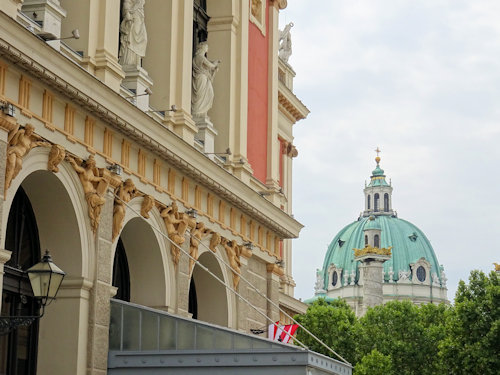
233 290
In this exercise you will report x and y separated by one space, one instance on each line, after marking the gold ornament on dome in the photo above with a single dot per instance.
370 250
497 266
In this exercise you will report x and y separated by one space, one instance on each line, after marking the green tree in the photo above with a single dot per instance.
334 323
407 333
374 363
472 343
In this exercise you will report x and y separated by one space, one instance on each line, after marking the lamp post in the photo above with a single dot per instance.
45 279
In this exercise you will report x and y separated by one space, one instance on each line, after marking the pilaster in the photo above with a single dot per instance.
183 280
4 258
273 284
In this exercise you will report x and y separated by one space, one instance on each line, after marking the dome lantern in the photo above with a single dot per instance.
378 193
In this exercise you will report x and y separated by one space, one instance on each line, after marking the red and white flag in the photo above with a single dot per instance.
277 332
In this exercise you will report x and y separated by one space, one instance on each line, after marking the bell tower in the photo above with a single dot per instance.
378 193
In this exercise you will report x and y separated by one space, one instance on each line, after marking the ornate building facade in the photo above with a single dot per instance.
147 144
380 257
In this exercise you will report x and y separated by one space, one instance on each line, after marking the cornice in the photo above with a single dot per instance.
33 56
291 104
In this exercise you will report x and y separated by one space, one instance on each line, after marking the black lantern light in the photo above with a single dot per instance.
45 279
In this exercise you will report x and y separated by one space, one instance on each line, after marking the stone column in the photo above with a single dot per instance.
245 291
101 293
183 279
372 284
273 289
170 30
99 25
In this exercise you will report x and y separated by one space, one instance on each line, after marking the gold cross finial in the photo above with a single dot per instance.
377 159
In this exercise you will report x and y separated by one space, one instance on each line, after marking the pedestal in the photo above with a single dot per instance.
137 80
206 133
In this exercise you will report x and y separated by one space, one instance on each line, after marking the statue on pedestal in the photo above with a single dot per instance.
133 36
285 41
204 70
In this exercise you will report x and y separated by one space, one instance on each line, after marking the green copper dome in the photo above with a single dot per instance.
372 223
408 243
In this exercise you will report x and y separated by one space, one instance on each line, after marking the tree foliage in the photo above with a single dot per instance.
374 363
405 339
338 321
472 343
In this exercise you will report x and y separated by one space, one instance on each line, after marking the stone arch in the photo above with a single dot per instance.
216 304
152 281
60 211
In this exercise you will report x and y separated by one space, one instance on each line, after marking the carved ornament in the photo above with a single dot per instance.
368 250
56 155
233 255
274 268
497 267
123 194
147 204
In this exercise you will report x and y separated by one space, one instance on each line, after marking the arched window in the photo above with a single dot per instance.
376 202
366 240
200 21
368 201
386 202
18 350
121 274
376 241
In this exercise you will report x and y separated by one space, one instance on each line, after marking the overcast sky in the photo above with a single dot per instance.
420 80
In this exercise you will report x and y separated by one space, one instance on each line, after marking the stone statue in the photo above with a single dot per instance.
353 277
94 186
146 206
404 275
444 279
285 41
20 142
197 235
435 279
214 241
320 283
346 278
123 194
176 228
202 88
233 255
133 36
56 155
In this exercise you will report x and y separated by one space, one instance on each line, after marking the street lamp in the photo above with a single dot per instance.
45 279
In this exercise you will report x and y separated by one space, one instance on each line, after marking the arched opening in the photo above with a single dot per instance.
121 273
138 251
386 202
60 216
200 22
366 240
376 241
376 200
211 298
18 349
193 301
368 201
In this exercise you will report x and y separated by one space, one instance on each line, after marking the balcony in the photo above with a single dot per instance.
148 341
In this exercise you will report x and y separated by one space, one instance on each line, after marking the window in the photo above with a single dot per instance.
335 278
376 202
421 274
368 203
386 202
376 241
200 21
366 240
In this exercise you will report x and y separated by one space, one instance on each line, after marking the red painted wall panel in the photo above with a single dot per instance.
258 101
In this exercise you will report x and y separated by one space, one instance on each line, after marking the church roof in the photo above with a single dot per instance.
378 177
408 243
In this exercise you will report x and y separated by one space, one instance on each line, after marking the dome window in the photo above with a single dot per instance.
376 202
376 241
386 202
335 278
341 243
413 237
366 240
421 274
369 198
